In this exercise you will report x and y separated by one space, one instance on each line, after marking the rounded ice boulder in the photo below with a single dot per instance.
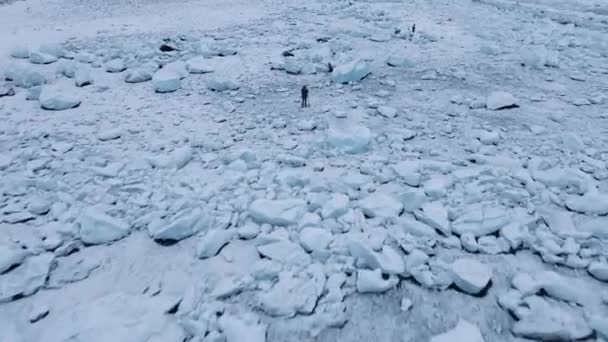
348 137
351 72
166 81
58 98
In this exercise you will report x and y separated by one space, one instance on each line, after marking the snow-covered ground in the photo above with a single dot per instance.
455 190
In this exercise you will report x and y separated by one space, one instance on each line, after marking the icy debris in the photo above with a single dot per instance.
239 329
435 215
462 332
387 112
115 66
387 260
58 97
471 276
286 252
277 212
166 80
381 205
350 72
315 239
336 206
82 76
55 50
550 321
6 90
599 270
218 83
5 161
109 134
501 100
213 241
481 220
67 68
372 281
26 279
10 257
591 203
349 137
514 234
20 52
38 312
184 224
96 227
408 170
138 75
198 65
37 57
294 294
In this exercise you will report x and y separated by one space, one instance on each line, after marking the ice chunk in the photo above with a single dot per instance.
82 76
591 203
437 186
471 276
166 81
462 332
10 256
57 97
96 227
277 212
599 270
38 312
6 90
213 241
198 65
138 75
372 281
37 57
481 220
185 224
115 66
286 252
26 279
387 112
21 52
349 137
381 205
293 294
435 215
501 100
72 269
351 72
26 78
336 206
39 205
109 134
315 239
408 170
242 329
399 61
550 321
597 226
218 83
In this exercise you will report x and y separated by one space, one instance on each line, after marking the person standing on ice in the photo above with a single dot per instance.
305 97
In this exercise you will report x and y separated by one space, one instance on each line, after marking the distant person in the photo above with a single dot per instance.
305 97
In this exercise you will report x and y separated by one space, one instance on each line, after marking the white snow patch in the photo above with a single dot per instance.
462 332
